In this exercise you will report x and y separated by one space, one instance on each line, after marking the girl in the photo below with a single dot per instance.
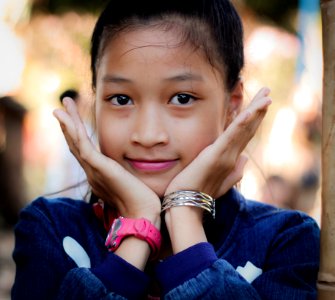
166 77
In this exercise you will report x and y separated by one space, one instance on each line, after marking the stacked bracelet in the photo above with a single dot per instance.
189 198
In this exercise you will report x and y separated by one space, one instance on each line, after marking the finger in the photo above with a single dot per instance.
84 144
260 103
70 133
255 110
97 166
72 110
244 126
255 114
235 176
263 92
68 129
65 122
238 135
82 140
88 155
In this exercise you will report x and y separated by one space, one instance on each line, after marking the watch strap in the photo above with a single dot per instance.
140 228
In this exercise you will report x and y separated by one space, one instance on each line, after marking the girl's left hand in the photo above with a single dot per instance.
220 165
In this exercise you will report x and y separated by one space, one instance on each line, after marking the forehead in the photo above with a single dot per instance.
148 42
154 49
149 36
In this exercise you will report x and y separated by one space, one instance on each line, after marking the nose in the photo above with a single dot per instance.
150 127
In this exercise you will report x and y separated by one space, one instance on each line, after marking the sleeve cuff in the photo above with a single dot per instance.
185 265
121 277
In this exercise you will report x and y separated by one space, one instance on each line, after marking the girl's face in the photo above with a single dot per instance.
158 104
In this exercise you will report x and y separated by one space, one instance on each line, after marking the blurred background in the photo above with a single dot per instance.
44 51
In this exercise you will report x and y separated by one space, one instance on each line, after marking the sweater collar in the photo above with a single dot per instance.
228 207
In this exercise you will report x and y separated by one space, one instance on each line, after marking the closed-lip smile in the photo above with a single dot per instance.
151 165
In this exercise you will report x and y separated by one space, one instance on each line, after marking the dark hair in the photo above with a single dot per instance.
69 93
222 23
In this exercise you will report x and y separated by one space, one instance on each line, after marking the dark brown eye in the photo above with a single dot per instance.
121 100
182 99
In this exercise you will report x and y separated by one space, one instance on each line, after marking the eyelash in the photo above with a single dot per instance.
117 97
127 99
188 96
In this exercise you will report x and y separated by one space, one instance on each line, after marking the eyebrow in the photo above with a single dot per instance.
115 79
185 77
109 78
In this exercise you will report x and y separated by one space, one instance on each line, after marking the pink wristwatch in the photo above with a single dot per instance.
140 228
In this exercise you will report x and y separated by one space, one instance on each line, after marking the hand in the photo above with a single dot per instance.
220 165
109 180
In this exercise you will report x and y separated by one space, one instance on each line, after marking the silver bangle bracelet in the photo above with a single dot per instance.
189 198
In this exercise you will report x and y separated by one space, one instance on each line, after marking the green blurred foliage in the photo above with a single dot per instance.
278 11
61 6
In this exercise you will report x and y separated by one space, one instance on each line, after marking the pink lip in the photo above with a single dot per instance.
148 165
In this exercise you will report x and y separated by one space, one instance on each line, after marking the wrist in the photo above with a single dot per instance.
185 227
184 211
154 220
150 213
134 251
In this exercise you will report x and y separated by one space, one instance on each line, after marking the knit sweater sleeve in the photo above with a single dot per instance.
219 280
45 271
288 271
292 264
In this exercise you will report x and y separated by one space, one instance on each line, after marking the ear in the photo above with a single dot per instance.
235 103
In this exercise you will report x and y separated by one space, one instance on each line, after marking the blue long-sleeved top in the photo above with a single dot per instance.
254 251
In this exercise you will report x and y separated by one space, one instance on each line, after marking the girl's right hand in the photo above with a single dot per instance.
108 179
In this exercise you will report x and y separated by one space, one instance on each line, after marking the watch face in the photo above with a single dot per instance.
116 227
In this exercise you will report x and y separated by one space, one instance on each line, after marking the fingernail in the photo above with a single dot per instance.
65 101
267 90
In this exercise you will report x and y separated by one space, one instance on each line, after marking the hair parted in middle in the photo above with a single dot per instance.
213 26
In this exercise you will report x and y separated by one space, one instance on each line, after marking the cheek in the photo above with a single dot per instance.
197 136
110 144
111 136
207 133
